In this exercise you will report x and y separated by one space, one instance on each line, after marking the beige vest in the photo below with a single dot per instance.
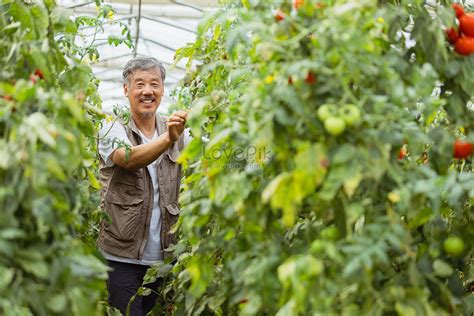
127 198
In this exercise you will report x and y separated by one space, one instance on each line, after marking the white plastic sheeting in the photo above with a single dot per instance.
164 27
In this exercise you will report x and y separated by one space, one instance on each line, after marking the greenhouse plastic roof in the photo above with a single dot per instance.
164 27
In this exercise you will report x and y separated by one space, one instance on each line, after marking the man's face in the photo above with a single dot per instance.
144 92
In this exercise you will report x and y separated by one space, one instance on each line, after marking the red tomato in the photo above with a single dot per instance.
458 8
401 154
39 73
279 15
466 24
403 151
310 78
465 45
297 4
452 35
462 149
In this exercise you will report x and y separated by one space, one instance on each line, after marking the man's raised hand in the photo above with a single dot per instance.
176 123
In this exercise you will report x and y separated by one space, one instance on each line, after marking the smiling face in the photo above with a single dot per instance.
144 92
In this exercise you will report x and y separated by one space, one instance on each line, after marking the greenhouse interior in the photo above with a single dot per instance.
237 158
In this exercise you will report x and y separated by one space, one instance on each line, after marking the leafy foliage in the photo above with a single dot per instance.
49 112
281 216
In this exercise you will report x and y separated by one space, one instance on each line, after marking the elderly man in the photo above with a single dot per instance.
139 188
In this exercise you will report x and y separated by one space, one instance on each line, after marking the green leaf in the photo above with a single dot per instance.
289 309
442 268
144 291
6 276
37 267
21 13
421 217
344 154
313 160
74 107
62 20
12 233
334 181
201 273
57 303
36 127
404 310
40 19
93 180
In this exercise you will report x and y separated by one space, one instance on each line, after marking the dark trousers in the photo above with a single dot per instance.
124 281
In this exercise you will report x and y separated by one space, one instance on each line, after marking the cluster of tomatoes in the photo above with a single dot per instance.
462 149
462 38
38 74
336 120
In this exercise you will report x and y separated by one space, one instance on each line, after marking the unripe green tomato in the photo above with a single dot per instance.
350 113
325 111
454 246
334 125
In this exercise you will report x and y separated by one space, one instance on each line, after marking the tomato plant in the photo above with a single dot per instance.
308 222
49 112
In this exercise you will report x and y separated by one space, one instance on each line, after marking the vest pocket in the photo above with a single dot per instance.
124 212
171 217
173 208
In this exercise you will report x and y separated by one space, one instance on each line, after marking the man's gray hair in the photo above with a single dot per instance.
142 63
